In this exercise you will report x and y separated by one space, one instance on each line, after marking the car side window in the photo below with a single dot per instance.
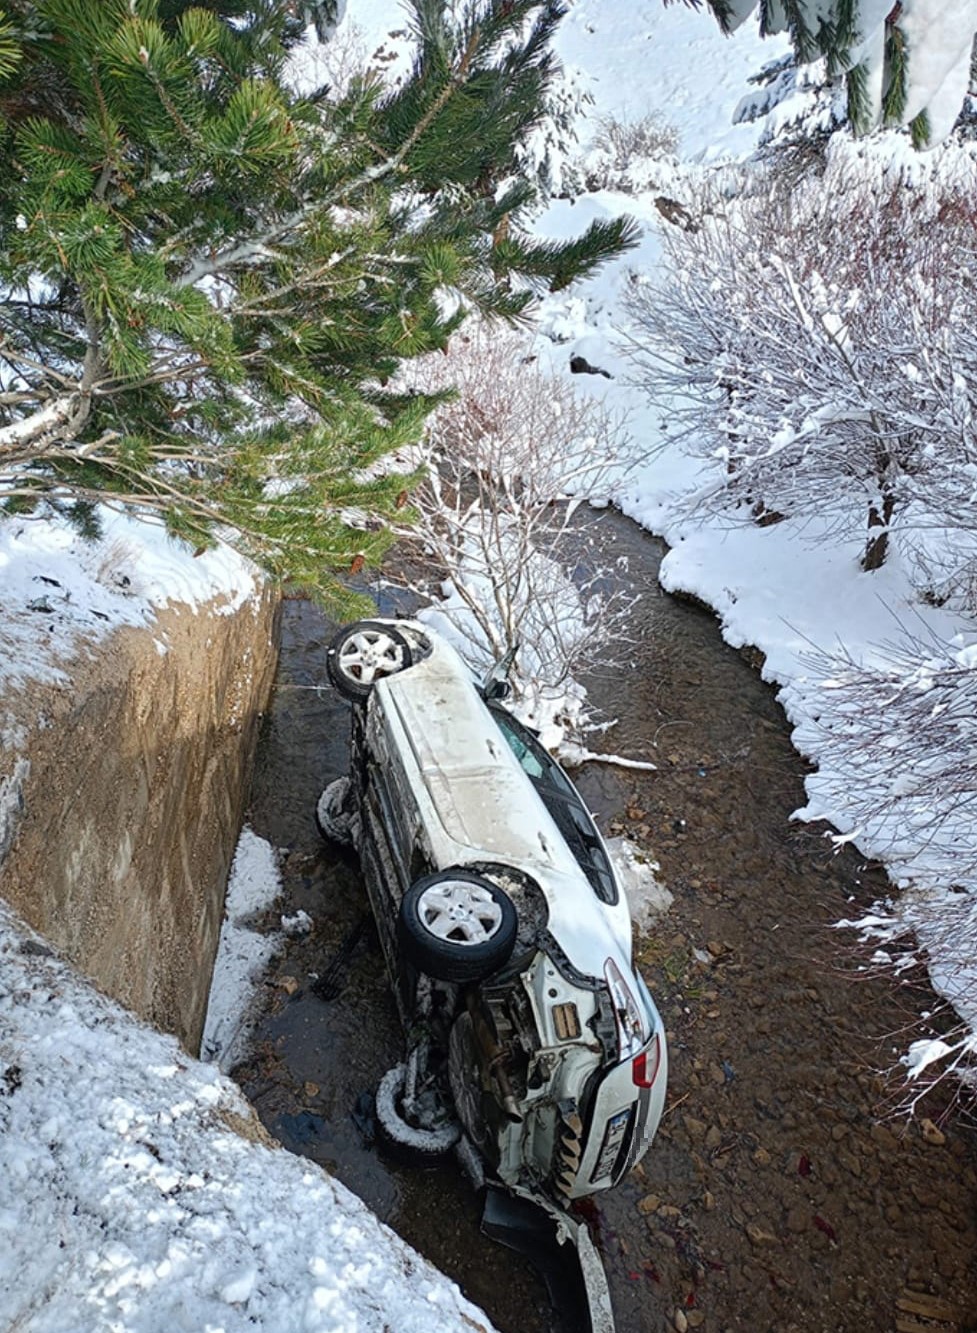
563 802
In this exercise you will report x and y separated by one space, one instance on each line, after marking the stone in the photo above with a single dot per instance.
761 1157
932 1134
714 1137
709 1201
288 984
798 1219
649 1204
695 1318
680 1322
760 1235
311 1089
696 1129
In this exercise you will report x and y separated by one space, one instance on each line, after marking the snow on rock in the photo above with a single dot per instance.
135 1198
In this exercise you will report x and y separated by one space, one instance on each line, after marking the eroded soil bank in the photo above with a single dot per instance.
128 778
779 1196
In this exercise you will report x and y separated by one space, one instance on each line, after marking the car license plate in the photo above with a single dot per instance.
613 1134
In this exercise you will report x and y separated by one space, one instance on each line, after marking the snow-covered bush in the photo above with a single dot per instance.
631 155
511 458
896 740
818 345
899 734
548 153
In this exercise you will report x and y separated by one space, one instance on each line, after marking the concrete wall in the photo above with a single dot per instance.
129 812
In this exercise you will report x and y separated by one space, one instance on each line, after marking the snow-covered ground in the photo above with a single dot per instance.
62 593
135 1197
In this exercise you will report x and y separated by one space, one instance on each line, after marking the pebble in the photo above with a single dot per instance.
709 1201
696 1129
797 1219
649 1204
839 1132
695 1318
883 1137
932 1134
311 1089
680 1322
760 1235
714 1137
761 1157
288 984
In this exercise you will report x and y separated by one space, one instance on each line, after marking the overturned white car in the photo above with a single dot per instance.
532 1042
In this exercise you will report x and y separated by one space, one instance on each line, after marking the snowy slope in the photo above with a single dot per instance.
130 1200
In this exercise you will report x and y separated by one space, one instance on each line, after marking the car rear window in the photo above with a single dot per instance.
563 802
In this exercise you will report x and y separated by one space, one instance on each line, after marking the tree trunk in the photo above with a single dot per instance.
877 541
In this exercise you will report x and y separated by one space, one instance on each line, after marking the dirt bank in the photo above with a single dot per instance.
131 774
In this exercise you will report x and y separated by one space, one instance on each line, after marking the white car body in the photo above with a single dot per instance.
564 1054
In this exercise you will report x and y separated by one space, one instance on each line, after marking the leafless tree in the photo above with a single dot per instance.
511 458
819 345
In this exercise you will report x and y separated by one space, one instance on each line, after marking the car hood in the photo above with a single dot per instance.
478 805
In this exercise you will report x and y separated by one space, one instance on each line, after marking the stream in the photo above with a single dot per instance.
781 1194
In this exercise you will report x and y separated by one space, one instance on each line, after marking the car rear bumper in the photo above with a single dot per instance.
623 1118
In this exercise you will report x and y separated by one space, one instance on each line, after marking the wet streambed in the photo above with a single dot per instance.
775 1198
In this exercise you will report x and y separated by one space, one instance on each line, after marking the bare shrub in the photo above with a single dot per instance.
896 740
625 153
901 736
511 458
819 345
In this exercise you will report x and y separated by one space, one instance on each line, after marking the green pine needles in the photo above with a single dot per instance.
205 281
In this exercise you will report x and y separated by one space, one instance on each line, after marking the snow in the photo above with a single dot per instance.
648 899
61 592
244 950
133 1201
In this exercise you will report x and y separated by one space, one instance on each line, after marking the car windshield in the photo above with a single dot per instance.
563 802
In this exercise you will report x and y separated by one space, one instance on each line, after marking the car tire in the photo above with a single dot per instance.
363 653
403 1138
464 1078
456 926
335 813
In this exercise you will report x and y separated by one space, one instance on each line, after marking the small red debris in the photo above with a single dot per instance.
827 1228
804 1165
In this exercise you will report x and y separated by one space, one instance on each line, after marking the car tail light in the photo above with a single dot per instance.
644 1071
632 1032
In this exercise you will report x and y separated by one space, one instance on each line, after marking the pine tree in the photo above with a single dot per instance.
893 73
206 282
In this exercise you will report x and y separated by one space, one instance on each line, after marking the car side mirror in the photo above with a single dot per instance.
496 683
